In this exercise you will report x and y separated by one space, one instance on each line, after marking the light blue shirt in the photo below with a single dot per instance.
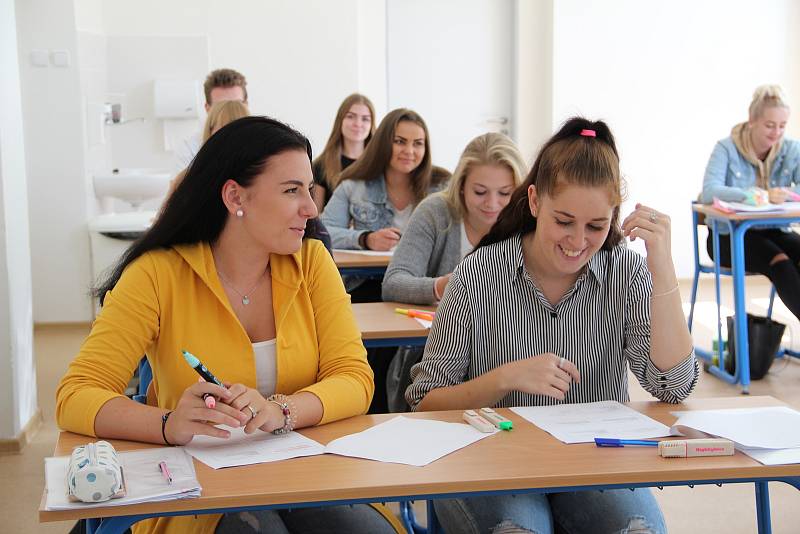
729 174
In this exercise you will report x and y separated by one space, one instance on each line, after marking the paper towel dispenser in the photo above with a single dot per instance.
177 99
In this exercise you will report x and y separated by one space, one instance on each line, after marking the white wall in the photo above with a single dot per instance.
54 146
17 368
671 79
300 58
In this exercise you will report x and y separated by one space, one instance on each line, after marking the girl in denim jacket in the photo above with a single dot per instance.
757 155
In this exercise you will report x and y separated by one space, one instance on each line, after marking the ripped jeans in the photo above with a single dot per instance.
610 512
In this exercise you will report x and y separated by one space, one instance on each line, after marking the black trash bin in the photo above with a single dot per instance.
764 340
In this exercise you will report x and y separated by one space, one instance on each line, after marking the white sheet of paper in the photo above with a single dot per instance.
581 423
403 440
424 322
774 456
776 427
143 479
385 253
747 208
259 447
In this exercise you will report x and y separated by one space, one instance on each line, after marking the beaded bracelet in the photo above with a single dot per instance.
287 409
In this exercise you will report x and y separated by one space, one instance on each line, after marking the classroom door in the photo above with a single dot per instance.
451 61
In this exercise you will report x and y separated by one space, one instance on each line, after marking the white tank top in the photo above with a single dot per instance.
266 366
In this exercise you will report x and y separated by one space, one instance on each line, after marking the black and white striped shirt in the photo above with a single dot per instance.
492 314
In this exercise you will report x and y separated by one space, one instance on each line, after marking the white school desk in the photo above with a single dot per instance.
738 224
524 460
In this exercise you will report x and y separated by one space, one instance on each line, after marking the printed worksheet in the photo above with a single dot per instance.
581 423
243 449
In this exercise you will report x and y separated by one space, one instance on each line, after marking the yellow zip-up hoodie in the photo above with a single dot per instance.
172 299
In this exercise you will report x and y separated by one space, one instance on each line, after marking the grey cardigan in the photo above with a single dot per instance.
430 247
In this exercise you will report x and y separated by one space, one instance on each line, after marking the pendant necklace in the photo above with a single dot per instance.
246 295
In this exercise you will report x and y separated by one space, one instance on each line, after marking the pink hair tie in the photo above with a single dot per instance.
588 133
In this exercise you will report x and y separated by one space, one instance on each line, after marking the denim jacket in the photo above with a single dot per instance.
364 204
728 174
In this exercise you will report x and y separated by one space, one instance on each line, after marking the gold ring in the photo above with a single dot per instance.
252 411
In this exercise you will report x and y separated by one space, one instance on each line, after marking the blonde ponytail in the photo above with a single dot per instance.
766 96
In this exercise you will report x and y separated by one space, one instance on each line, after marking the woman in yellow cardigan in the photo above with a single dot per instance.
226 274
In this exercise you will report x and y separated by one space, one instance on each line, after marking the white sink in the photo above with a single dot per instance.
133 185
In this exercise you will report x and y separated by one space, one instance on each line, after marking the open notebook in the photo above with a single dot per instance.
143 479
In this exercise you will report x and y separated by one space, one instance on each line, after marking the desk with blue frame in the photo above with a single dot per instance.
737 224
361 265
522 461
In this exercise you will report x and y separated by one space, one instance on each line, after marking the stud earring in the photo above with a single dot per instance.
239 213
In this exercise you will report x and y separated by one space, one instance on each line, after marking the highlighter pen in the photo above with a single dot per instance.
611 442
496 419
203 371
428 316
477 422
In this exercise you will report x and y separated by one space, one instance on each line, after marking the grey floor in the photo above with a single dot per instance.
728 509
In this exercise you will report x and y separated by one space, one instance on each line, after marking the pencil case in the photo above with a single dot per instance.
94 473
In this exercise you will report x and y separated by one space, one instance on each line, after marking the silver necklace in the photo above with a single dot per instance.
246 295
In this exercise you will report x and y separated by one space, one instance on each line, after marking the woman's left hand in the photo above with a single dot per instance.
264 415
654 228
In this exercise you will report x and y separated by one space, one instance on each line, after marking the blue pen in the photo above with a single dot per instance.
612 442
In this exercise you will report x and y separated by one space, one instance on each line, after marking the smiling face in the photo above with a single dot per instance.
487 190
357 123
571 227
408 147
768 129
278 203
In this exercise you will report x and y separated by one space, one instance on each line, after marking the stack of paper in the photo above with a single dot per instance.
768 435
581 423
144 481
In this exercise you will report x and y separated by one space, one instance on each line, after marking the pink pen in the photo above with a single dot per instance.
165 471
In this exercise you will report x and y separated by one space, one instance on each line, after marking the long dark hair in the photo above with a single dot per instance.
378 153
566 158
195 212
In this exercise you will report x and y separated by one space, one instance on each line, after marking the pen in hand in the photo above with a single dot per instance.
207 375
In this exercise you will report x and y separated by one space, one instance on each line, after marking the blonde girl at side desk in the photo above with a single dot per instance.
227 274
757 154
352 131
444 228
549 309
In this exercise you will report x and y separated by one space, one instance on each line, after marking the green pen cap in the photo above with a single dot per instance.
506 425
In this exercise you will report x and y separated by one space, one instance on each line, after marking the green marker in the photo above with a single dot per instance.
496 419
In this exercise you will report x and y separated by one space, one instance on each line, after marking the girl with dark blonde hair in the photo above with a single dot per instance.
352 131
548 309
757 154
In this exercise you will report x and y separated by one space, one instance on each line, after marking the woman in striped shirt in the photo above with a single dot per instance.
549 309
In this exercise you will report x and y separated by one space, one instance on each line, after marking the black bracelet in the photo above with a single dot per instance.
362 240
164 427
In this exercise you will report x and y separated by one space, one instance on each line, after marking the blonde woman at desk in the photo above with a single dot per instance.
444 228
226 274
757 154
549 309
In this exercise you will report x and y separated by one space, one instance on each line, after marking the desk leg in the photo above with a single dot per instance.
433 522
762 508
740 310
